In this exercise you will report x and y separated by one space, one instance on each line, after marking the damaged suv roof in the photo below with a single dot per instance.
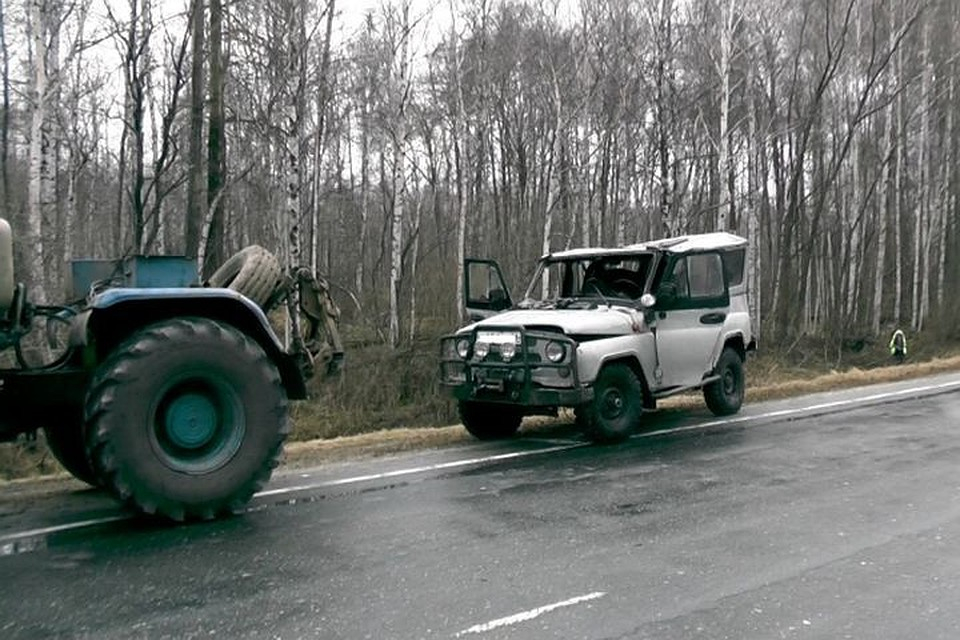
679 244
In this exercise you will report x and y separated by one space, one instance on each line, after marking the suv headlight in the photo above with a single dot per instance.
463 347
508 350
555 351
481 349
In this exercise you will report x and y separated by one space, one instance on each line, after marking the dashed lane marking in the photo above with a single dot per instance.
453 464
523 616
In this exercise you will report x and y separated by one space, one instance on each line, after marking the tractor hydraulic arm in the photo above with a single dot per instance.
317 338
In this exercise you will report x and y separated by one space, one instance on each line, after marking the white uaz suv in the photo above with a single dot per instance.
606 332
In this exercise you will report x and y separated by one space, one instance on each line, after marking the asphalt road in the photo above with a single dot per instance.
830 516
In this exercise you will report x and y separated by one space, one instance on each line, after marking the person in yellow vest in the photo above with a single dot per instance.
898 346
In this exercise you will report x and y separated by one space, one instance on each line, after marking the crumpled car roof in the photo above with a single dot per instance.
678 244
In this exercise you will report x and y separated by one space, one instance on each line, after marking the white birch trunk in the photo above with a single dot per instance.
943 218
856 230
33 274
414 256
456 62
553 180
293 120
586 218
723 154
396 242
397 178
898 200
364 193
885 193
920 239
316 180
753 224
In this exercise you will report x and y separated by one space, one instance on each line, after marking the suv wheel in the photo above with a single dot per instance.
617 404
489 421
725 396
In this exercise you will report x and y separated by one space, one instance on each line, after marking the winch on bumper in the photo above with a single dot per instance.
512 365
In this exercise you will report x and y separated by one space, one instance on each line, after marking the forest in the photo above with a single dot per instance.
380 145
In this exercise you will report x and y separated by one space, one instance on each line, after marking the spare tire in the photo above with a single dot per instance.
253 272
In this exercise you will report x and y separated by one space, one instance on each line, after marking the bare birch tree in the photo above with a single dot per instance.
5 114
399 32
455 65
43 23
729 24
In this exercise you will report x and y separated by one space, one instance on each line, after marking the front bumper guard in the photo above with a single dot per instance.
529 379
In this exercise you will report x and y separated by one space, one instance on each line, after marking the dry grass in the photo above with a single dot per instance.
853 377
377 443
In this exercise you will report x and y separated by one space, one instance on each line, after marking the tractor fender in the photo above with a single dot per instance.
116 313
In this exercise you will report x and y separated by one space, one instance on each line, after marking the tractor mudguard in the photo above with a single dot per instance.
116 313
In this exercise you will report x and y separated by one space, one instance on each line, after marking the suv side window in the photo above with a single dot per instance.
705 271
733 263
695 280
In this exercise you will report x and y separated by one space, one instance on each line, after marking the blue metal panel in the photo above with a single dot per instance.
140 272
161 271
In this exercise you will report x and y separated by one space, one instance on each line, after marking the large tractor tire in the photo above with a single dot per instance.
186 419
66 441
616 407
724 397
253 272
490 421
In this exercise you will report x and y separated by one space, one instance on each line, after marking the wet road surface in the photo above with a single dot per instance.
830 516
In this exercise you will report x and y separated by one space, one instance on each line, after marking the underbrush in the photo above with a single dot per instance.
378 389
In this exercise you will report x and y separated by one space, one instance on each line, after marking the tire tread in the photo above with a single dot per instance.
119 369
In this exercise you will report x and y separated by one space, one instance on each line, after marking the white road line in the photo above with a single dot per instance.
523 616
12 539
810 410
454 464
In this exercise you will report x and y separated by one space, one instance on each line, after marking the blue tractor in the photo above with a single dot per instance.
170 393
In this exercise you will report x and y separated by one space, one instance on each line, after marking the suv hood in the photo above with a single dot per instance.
603 320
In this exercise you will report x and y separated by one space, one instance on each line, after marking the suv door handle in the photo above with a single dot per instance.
713 318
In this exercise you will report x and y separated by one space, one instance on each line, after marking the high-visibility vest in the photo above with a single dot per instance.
898 342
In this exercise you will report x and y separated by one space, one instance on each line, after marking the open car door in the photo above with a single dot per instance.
485 291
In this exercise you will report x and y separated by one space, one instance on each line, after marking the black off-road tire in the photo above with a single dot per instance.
490 421
724 397
616 407
253 271
581 417
66 440
186 419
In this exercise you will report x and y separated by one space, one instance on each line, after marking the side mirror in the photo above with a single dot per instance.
498 299
667 292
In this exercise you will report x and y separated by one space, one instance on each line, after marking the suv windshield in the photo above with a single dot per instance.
585 280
